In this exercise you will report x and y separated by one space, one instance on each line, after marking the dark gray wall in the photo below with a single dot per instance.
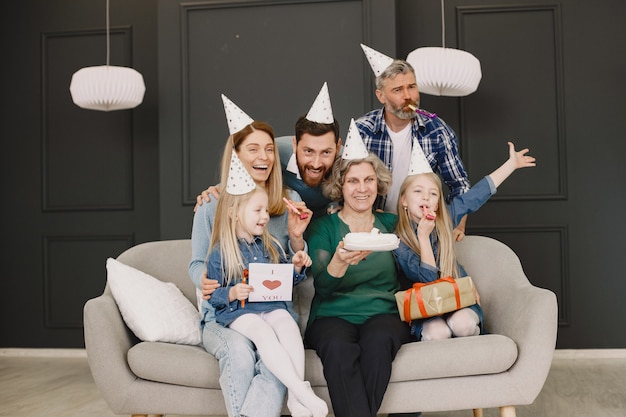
551 82
80 186
271 58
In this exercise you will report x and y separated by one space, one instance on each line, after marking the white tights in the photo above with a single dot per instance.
278 340
461 323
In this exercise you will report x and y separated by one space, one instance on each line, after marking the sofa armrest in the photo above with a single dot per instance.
107 341
514 308
529 316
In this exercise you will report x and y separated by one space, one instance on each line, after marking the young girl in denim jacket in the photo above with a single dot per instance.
425 225
240 236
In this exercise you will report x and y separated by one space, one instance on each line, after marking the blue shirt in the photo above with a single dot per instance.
438 141
227 311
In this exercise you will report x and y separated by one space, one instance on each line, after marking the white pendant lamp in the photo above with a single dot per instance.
445 71
107 87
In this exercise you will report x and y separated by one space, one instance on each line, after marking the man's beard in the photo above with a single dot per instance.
403 112
305 177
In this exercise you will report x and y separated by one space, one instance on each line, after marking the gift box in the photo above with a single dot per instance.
435 298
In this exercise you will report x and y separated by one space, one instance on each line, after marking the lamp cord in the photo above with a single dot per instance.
108 40
443 27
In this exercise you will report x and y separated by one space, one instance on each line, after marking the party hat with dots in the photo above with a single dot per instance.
321 111
235 117
419 164
354 148
239 180
378 61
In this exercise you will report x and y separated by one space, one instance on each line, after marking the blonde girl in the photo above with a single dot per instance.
240 236
426 250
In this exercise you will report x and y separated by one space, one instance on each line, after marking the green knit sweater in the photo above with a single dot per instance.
366 289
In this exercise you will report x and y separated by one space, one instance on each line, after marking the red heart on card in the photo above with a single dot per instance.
272 285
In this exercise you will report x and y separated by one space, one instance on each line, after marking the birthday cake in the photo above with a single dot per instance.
374 241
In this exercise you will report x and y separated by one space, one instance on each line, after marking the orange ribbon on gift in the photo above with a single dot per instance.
420 301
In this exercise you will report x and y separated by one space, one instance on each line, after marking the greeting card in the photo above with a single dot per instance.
271 282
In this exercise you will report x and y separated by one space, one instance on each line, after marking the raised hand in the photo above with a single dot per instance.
298 220
519 158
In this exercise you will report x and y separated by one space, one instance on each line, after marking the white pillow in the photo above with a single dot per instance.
154 310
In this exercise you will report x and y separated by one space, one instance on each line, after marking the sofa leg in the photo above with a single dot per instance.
508 411
146 415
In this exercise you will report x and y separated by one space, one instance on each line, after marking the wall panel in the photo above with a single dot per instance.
70 277
87 155
544 255
79 185
271 63
271 57
520 49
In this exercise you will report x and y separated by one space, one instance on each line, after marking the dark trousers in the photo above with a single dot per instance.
357 360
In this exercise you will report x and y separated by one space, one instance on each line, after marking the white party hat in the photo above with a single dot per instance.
235 117
321 111
379 62
239 180
354 148
419 164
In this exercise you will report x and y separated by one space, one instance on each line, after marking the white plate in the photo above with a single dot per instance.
374 248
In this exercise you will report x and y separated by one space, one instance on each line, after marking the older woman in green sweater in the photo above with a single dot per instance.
354 324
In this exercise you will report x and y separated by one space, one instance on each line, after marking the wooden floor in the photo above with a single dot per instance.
50 383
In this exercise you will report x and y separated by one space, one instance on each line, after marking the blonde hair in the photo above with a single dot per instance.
332 187
274 184
446 255
224 236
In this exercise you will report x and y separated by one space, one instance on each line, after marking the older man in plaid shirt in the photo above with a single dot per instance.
391 131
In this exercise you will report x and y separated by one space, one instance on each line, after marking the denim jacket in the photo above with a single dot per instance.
227 311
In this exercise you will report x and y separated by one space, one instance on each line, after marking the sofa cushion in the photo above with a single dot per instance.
154 310
193 366
476 355
175 364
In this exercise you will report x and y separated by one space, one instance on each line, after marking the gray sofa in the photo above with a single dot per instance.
505 368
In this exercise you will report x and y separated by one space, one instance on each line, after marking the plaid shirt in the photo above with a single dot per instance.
438 141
